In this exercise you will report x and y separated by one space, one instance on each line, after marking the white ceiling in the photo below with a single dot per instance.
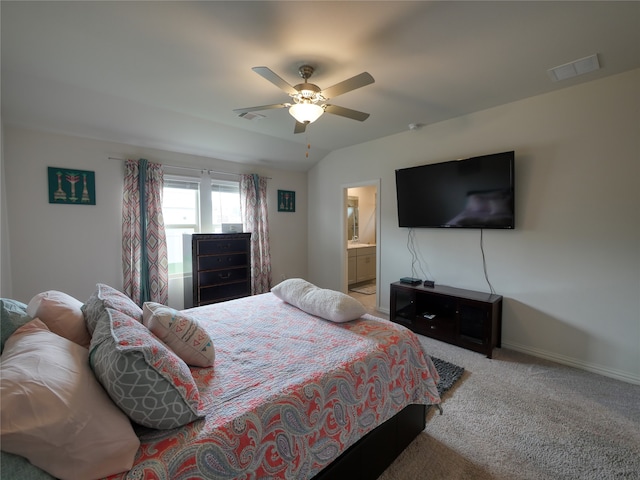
167 75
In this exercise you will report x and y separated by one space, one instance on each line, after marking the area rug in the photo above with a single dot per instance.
449 374
366 290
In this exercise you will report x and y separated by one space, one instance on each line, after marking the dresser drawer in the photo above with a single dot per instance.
217 262
221 293
435 327
212 247
365 251
217 277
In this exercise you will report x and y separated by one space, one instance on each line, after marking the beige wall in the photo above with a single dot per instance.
5 257
570 271
73 247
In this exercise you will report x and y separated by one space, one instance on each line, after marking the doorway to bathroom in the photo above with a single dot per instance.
361 242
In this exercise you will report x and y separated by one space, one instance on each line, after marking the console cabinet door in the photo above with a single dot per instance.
473 323
403 306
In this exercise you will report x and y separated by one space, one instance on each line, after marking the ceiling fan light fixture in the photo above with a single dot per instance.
306 112
308 100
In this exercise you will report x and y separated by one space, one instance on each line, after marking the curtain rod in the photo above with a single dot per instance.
201 170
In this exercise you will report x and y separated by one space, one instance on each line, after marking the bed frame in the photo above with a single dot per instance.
373 453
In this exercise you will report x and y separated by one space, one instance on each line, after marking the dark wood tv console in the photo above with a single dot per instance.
465 318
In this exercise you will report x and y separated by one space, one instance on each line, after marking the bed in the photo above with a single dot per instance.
290 395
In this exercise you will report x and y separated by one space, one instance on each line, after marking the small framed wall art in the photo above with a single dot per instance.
286 201
72 186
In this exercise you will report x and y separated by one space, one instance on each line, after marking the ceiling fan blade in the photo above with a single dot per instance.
268 74
348 85
346 112
300 127
240 111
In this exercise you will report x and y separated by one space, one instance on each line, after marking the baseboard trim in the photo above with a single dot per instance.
572 362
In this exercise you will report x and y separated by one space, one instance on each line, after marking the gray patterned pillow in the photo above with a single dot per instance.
141 375
106 296
13 314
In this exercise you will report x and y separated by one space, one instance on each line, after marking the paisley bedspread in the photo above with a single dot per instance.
289 392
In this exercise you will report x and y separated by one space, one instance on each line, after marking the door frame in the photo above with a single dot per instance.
343 246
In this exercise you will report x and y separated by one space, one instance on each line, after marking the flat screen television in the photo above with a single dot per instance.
476 192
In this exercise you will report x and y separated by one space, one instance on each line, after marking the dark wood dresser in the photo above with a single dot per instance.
217 267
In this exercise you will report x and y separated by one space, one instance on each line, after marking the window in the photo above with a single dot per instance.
225 203
196 205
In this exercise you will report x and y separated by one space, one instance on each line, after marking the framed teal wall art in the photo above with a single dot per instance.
72 186
286 201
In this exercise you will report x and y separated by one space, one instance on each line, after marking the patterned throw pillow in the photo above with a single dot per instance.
141 375
106 296
180 332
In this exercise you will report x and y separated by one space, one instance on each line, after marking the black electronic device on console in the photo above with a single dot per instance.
411 280
429 283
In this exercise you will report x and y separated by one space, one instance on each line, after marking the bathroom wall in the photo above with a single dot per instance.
366 211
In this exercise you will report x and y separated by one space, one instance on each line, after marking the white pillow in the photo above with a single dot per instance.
62 314
328 304
54 411
181 333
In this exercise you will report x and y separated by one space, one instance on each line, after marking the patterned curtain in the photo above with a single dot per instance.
253 202
144 243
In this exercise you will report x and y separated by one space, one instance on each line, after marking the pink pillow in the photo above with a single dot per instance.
62 314
54 411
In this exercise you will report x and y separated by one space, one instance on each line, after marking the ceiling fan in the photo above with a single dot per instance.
308 100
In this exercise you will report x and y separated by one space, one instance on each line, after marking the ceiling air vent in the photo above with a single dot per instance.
575 68
252 116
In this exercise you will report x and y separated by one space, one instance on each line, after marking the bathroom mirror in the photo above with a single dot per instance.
352 218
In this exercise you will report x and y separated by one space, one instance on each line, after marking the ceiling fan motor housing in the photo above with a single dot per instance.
307 92
306 71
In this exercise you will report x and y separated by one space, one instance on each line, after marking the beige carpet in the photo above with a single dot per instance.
520 417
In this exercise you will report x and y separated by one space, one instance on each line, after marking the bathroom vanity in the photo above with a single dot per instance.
362 262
